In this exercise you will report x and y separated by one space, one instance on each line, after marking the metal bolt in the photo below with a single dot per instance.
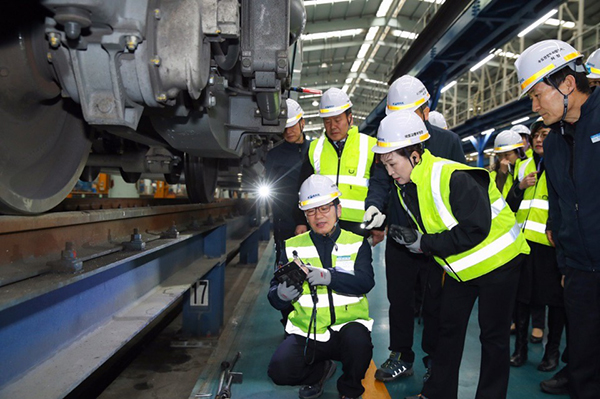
156 13
53 39
131 42
105 105
161 98
257 111
212 101
246 62
155 60
211 80
49 57
72 30
282 112
281 63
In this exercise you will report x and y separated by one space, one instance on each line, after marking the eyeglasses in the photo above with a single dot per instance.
323 209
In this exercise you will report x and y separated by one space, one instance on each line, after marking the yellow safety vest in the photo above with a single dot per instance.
533 210
504 241
507 185
351 172
346 308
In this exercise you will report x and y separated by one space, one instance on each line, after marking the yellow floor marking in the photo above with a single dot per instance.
374 389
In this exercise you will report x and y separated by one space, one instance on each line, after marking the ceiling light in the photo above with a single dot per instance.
332 34
315 103
363 51
371 34
468 138
345 88
473 154
324 65
308 116
313 128
308 3
564 24
537 23
487 131
520 120
404 34
384 6
377 82
482 62
355 65
348 80
448 86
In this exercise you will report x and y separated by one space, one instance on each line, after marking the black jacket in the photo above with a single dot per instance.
573 172
442 143
470 204
282 171
361 282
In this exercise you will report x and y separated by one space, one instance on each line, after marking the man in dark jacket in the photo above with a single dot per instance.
283 168
552 74
404 268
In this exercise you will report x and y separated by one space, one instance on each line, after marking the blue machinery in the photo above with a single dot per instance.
56 336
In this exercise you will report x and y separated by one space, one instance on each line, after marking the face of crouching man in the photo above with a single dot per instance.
323 219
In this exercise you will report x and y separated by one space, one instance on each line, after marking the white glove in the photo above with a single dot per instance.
318 276
373 218
286 293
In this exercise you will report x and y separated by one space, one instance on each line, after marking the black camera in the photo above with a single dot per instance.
293 273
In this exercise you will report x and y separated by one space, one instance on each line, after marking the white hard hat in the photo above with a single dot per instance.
294 113
507 140
437 119
521 129
408 93
334 102
317 190
398 130
593 64
543 59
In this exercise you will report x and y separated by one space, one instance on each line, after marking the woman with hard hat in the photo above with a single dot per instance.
540 278
593 66
525 134
552 74
330 320
508 147
460 218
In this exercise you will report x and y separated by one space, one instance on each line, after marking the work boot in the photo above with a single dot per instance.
393 368
556 324
314 391
519 356
558 384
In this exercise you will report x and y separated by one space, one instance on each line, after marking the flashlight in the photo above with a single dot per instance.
264 191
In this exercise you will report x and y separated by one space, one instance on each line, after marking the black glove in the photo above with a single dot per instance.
406 236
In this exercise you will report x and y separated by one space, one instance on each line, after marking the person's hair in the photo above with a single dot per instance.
406 151
423 107
348 112
336 202
581 81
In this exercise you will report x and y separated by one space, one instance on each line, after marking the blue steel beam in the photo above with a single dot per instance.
483 26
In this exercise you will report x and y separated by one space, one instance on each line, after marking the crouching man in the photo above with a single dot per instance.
330 320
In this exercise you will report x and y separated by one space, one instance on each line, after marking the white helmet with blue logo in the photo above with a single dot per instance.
398 130
406 93
593 65
317 190
334 102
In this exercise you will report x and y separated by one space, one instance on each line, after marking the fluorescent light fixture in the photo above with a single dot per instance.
345 88
308 116
537 23
448 86
404 34
359 117
315 103
384 6
520 120
310 96
313 128
485 132
332 34
377 82
564 24
473 154
362 52
482 62
308 3
371 33
489 150
348 80
355 65
467 138
434 1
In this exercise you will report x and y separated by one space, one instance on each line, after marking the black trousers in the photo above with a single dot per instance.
582 305
401 270
351 345
496 292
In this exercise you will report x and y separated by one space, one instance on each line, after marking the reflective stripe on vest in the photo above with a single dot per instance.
347 308
351 172
532 214
504 241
